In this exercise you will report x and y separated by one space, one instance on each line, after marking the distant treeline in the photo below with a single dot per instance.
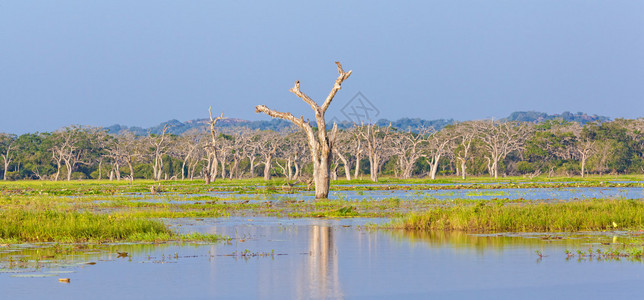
496 148
178 127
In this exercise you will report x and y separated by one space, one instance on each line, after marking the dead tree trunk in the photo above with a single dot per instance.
322 145
58 159
157 167
358 158
585 149
268 163
100 165
376 140
345 162
6 156
251 167
210 172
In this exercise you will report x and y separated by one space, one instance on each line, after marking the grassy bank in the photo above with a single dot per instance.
535 217
71 227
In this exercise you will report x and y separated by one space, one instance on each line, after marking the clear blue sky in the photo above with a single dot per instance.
139 63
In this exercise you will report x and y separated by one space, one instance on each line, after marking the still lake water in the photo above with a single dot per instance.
573 193
317 259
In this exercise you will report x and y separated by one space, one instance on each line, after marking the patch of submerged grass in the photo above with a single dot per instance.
203 237
537 217
74 227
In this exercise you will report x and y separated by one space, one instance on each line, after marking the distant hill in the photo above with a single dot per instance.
178 127
536 117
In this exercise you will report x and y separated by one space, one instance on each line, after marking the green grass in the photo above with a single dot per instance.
99 211
535 217
73 227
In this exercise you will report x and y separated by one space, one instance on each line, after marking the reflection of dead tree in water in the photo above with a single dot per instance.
323 264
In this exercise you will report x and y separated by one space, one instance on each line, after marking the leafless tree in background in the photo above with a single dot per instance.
187 149
358 149
344 149
66 150
6 143
501 138
465 134
210 171
115 153
376 142
241 138
158 144
583 148
99 142
438 143
291 148
251 150
225 148
407 148
269 142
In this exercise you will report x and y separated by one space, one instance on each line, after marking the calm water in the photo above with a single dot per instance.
311 258
478 194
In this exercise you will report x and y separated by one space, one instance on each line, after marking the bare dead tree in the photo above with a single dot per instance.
584 146
99 142
66 150
465 134
358 149
225 147
438 144
158 144
132 151
210 171
251 151
268 145
501 138
376 142
407 148
196 158
240 139
321 146
291 148
115 153
57 156
335 163
345 149
7 142
186 149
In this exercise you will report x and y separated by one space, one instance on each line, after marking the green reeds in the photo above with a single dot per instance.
72 227
537 217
